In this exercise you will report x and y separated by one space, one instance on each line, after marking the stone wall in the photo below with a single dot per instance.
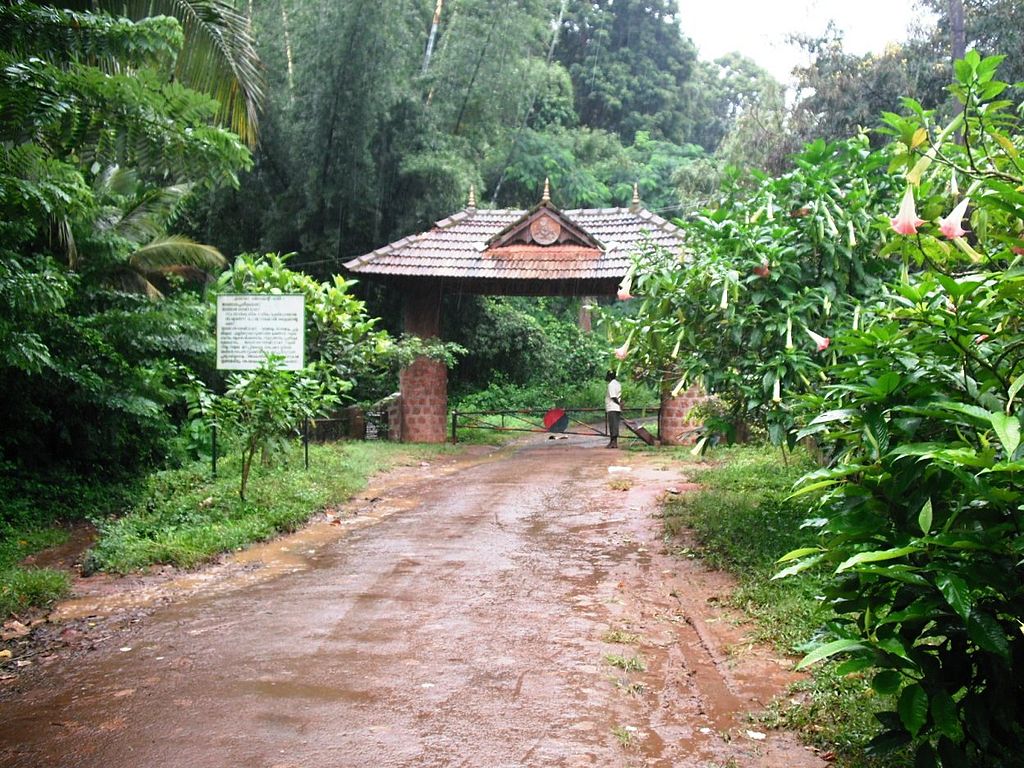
424 402
674 427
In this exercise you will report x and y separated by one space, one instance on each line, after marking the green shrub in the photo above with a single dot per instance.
923 510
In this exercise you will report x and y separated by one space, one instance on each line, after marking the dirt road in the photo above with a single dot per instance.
515 609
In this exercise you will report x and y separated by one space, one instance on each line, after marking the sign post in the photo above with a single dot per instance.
251 326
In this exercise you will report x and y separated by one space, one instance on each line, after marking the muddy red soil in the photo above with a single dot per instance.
510 609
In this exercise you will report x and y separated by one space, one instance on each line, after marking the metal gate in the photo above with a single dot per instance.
572 421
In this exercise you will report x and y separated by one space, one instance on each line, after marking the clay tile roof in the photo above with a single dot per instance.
457 247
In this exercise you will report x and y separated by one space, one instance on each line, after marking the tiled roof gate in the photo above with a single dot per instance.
468 253
543 251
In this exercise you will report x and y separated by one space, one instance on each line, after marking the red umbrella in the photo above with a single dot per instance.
556 420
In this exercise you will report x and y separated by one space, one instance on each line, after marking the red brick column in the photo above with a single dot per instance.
675 428
424 383
424 386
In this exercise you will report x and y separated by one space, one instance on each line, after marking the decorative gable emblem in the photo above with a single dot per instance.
544 225
545 230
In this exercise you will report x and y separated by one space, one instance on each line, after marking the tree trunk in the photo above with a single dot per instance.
957 31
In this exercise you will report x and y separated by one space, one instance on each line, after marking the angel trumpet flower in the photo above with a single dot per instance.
950 226
906 221
622 351
821 341
625 286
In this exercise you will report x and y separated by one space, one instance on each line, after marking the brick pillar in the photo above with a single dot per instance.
424 386
424 383
675 427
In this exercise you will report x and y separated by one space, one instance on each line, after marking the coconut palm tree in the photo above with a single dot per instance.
137 218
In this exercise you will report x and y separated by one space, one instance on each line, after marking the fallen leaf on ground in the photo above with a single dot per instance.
5 654
13 629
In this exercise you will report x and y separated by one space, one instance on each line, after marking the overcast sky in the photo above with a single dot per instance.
758 28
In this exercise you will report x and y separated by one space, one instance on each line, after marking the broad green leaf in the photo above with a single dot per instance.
1015 387
944 716
875 556
901 573
913 708
887 682
887 383
828 650
896 647
839 414
796 553
924 517
851 666
811 488
987 632
799 567
1008 429
956 592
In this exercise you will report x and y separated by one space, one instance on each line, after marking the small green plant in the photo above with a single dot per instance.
620 637
262 407
626 663
632 688
626 735
620 484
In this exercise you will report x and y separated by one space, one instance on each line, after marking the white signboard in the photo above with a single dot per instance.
251 326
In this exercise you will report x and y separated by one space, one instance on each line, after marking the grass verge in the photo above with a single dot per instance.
185 517
24 588
32 508
744 522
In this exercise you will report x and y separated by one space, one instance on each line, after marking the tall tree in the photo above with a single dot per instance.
629 62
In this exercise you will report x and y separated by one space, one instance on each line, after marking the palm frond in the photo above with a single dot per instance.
218 57
145 217
176 250
131 281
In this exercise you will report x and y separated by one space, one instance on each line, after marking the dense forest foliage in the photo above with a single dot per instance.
125 182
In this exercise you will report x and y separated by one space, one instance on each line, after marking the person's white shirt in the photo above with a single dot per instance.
614 391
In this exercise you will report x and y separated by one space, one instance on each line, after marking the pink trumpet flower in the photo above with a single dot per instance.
623 295
821 341
950 226
622 351
906 221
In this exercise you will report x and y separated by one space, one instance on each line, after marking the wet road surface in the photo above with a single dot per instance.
514 610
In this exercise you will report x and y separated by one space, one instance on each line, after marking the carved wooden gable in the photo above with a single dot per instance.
545 225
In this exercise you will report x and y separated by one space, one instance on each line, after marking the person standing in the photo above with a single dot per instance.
613 408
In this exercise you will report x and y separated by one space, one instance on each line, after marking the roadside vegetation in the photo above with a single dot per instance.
742 521
184 517
824 305
35 514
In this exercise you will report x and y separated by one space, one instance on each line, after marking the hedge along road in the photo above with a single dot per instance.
516 610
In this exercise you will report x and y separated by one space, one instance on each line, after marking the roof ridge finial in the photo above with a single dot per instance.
471 203
635 204
547 191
